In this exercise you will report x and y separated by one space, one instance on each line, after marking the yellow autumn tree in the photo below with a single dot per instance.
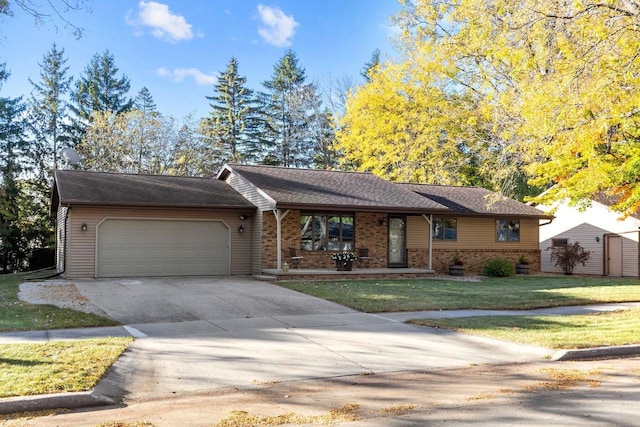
395 127
546 87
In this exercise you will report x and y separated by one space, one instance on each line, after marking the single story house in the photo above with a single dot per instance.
250 219
612 241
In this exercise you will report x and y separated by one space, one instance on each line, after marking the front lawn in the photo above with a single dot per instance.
16 315
55 367
558 332
512 293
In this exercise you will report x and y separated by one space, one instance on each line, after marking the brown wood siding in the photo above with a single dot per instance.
61 230
480 233
256 248
249 192
417 233
81 254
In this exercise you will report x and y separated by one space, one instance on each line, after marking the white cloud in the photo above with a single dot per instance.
277 28
164 24
179 74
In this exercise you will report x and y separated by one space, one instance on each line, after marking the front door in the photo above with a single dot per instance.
397 242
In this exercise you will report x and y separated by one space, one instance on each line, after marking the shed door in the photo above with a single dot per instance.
614 255
132 247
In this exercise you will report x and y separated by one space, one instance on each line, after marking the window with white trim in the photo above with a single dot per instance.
508 230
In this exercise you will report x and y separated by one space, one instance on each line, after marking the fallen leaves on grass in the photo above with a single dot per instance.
346 413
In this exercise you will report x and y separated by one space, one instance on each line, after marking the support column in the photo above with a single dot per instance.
429 220
279 214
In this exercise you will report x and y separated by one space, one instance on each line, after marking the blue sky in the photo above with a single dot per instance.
176 48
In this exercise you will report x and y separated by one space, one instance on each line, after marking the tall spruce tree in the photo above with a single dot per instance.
284 87
371 66
12 148
144 101
148 116
100 90
235 122
49 111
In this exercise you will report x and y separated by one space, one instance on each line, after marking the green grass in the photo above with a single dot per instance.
16 315
556 332
55 367
511 293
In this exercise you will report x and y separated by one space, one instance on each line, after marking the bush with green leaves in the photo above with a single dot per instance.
498 267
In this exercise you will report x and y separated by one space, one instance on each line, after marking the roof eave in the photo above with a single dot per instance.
351 208
85 203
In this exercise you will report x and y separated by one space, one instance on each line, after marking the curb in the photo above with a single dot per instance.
42 402
597 353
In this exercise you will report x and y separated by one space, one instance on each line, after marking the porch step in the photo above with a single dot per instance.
356 274
265 277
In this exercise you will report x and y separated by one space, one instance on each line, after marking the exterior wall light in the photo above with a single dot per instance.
241 229
382 222
83 227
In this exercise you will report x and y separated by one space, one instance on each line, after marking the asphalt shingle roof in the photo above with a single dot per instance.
101 188
299 188
474 200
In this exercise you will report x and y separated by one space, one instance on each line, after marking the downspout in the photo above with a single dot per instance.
430 222
279 217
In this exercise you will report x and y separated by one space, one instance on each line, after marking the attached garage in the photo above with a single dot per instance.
142 247
127 225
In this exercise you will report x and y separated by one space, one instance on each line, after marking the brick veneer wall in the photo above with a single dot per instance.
368 234
475 260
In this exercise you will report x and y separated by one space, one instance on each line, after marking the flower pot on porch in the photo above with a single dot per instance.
522 268
344 265
456 270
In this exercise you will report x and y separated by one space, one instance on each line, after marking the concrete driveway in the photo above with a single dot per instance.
203 334
198 300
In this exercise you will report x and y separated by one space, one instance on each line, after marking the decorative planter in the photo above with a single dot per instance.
522 268
456 270
344 265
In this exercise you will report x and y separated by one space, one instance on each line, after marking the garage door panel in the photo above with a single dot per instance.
162 248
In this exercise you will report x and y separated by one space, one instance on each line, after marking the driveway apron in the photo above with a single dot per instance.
202 334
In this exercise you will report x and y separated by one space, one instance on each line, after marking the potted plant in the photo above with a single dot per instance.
344 260
568 256
522 266
457 265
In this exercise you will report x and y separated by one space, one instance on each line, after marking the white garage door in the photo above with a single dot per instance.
129 248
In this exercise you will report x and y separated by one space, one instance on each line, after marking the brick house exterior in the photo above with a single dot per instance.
372 202
249 219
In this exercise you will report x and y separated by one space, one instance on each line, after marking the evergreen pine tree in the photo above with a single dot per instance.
144 101
12 147
99 90
234 124
48 110
371 66
145 104
286 81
